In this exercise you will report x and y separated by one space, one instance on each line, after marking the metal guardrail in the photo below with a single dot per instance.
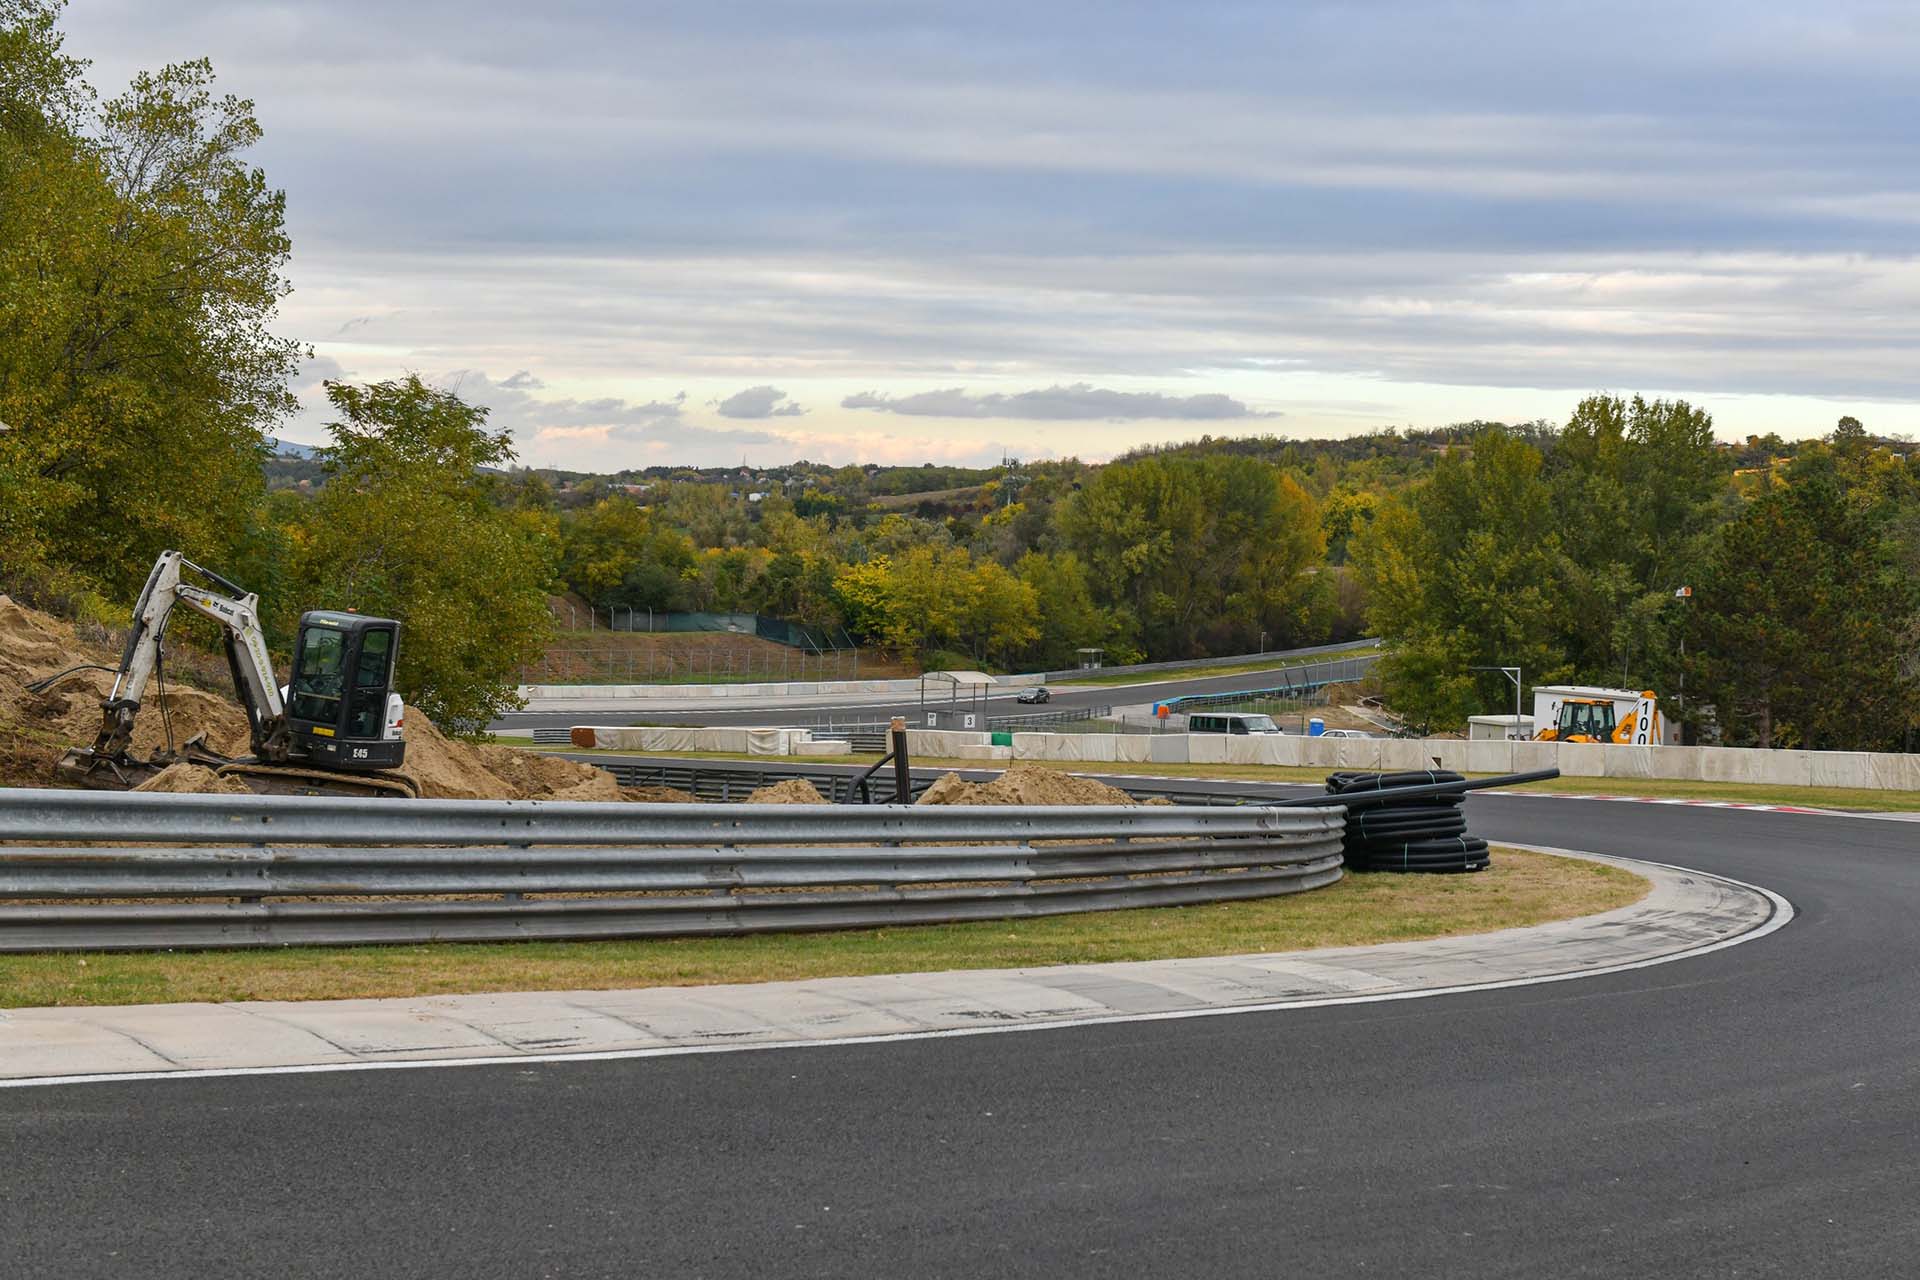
1231 660
1029 721
1293 683
553 737
249 871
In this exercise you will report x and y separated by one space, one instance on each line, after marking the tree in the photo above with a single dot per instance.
1797 625
1064 610
141 264
1216 547
407 527
1465 573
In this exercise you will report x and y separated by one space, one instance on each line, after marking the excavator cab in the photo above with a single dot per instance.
342 712
1586 720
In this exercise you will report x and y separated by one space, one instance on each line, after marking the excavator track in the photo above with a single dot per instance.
291 780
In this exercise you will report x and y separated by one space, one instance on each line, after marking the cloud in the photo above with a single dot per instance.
616 425
1717 197
759 402
1079 402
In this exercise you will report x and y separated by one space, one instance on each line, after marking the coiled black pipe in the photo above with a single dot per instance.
1423 832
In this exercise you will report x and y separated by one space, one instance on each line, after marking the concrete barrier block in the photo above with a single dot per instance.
941 744
988 752
1032 746
1531 756
1207 748
1840 768
1892 772
1583 759
1490 757
1678 764
1626 760
1169 748
824 747
1134 748
1319 753
1729 764
1398 755
1787 768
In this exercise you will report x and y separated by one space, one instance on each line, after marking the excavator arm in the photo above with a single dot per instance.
238 617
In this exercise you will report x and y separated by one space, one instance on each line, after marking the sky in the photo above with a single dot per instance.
905 232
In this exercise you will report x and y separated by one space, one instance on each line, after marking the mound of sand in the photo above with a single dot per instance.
1024 784
193 779
657 795
792 791
35 729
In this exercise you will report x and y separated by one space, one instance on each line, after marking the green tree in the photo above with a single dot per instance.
1204 552
408 527
141 264
1798 624
1467 572
1064 608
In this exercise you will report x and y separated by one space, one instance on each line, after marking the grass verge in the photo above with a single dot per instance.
1519 889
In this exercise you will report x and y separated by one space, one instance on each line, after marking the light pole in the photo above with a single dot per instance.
1513 674
1263 642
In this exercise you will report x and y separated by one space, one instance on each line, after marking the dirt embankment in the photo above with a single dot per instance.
36 728
1024 784
792 791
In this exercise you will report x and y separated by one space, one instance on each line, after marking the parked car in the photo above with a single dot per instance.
1036 694
1232 722
1346 733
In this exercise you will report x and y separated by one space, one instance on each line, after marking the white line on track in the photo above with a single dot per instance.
1782 914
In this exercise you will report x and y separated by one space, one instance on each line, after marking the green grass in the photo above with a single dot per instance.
1519 889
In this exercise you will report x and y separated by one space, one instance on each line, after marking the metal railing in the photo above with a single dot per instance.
1029 722
1231 660
1289 684
249 871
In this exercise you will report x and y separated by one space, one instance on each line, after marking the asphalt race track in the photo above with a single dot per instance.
1753 1112
1001 703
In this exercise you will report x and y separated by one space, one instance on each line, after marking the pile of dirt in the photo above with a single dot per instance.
1024 784
792 791
657 795
193 779
35 729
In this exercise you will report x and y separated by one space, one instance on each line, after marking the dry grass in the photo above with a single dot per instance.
1519 889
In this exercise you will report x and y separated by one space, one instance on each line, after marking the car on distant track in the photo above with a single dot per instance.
1036 694
1346 733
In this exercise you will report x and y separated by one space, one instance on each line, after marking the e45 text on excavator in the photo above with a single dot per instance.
335 728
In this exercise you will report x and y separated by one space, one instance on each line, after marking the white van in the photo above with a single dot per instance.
1234 722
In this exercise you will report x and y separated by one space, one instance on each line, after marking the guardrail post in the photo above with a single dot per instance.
902 770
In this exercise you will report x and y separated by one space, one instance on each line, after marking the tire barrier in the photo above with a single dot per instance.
1425 832
139 871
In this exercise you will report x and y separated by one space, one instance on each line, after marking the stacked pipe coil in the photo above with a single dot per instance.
1424 833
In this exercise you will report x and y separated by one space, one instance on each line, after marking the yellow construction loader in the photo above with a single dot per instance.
1578 714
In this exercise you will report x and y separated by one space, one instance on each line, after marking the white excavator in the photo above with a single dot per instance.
336 728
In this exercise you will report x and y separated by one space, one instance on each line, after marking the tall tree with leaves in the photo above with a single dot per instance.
141 263
408 527
1466 573
1797 626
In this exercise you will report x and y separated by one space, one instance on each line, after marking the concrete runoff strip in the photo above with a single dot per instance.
1687 913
